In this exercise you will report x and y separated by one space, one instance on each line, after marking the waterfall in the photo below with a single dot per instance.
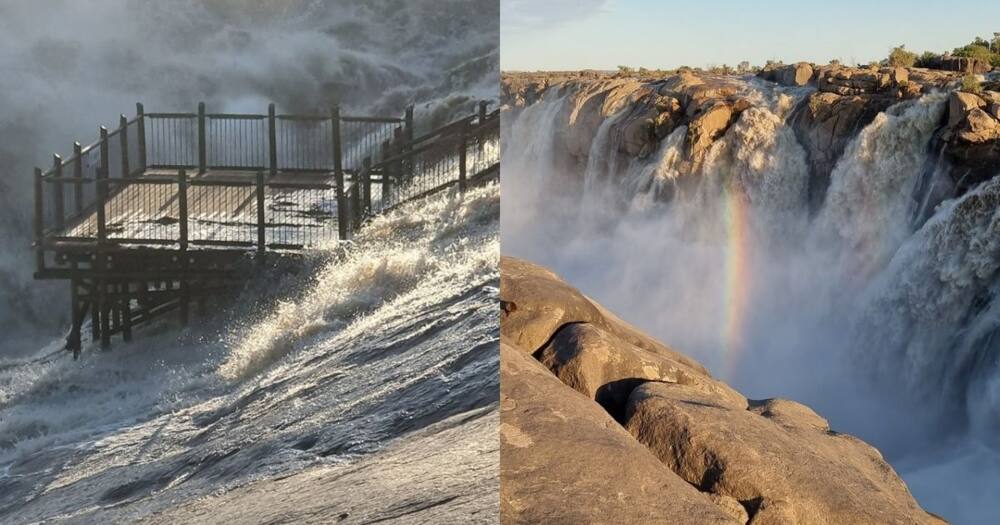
880 310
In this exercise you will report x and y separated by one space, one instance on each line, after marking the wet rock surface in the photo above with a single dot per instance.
631 431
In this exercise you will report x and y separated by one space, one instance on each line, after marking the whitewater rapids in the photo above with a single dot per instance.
369 395
887 325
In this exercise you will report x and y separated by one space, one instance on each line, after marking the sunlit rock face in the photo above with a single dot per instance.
596 413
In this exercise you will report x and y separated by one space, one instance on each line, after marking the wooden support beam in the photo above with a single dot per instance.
185 301
105 307
123 137
461 159
116 308
182 206
126 303
140 114
73 342
272 140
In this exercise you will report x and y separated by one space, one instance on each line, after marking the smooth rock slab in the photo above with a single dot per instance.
563 460
535 303
779 459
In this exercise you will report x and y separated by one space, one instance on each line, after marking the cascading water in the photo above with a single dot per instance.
376 342
70 67
887 325
394 334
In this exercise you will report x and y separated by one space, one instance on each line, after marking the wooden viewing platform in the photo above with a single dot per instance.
171 208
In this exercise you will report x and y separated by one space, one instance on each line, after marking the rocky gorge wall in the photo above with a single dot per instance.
824 234
840 101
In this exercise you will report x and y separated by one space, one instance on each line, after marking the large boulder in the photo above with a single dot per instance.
706 127
779 458
960 104
971 139
571 454
605 368
563 460
535 303
795 75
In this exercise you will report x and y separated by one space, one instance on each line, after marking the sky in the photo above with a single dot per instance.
603 34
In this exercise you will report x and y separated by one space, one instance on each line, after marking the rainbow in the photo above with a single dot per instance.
737 279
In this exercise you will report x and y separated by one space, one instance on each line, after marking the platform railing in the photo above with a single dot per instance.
457 154
309 180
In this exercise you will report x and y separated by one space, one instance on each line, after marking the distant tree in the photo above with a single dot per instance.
625 71
975 50
928 59
900 57
743 67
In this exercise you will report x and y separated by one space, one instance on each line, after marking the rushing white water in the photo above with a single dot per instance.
889 328
392 334
70 67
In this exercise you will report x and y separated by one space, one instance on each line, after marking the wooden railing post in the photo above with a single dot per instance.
78 175
356 210
261 232
387 173
102 187
408 119
462 157
101 308
123 123
182 208
272 139
39 222
366 185
338 173
140 121
202 145
60 211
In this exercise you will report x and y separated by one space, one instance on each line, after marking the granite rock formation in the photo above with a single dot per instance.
602 424
835 103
